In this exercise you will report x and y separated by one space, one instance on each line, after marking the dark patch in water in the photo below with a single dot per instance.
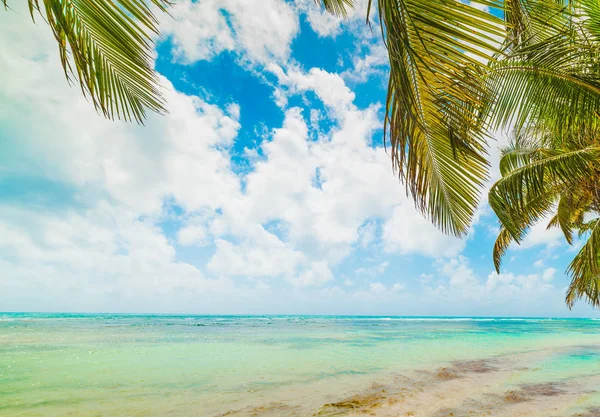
592 412
450 412
469 408
481 366
275 409
376 396
354 403
461 368
446 374
528 392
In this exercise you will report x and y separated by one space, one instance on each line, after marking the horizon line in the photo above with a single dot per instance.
292 315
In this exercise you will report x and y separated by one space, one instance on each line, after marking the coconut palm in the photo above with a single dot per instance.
548 88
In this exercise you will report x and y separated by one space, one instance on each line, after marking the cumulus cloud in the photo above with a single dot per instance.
375 61
70 258
264 256
459 273
261 30
317 275
517 283
540 235
325 24
408 233
330 88
457 278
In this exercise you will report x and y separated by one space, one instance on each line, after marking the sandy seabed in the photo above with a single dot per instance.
486 387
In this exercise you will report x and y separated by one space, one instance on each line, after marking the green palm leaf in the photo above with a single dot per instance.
436 87
534 179
107 45
562 219
516 222
552 78
501 244
585 270
591 9
540 179
570 213
336 7
529 21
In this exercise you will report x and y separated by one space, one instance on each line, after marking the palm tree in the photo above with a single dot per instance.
548 88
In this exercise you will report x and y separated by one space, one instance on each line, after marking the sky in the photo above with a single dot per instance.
265 190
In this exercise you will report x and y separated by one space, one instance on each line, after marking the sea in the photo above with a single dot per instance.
116 365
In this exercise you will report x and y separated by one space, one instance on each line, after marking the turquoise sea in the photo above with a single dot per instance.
106 365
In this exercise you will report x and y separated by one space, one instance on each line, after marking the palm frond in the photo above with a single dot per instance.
501 244
563 217
336 7
107 46
518 158
571 210
515 225
528 21
587 227
525 195
436 87
554 82
591 9
584 271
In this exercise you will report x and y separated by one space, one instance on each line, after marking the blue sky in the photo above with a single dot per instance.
264 190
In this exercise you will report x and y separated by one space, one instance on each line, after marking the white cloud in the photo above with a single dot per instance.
260 29
330 88
324 193
408 233
192 234
459 273
97 252
199 30
540 235
512 284
183 157
374 270
377 288
367 234
137 166
374 62
325 24
265 256
118 175
548 274
458 279
317 275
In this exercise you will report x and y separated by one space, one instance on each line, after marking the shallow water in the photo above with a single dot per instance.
148 365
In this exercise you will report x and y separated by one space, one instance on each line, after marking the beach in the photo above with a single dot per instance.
168 365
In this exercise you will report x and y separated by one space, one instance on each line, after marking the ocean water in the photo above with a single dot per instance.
164 365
